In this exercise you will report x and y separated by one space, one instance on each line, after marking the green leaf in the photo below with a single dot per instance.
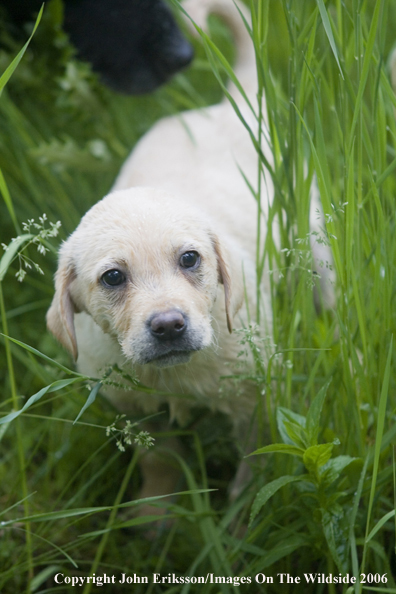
54 387
91 398
316 456
296 434
12 251
329 32
291 427
268 491
280 448
334 528
313 415
333 468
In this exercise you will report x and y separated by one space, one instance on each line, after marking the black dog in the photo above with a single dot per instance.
134 45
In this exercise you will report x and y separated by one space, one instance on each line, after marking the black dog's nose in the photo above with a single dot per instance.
178 55
168 325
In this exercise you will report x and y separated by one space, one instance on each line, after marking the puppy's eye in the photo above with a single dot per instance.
190 260
113 278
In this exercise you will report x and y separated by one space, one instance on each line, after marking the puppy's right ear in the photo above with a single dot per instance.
230 279
60 316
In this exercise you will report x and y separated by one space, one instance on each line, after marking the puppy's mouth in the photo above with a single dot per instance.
172 358
169 355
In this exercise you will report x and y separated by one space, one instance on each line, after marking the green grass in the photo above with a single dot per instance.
322 496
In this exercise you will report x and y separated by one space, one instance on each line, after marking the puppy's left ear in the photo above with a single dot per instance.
231 278
60 316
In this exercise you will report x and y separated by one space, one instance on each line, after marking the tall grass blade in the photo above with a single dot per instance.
8 202
329 32
37 353
5 77
54 387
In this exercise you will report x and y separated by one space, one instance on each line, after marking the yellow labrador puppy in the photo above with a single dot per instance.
154 275
159 271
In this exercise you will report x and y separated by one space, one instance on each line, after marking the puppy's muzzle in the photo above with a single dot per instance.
168 325
170 339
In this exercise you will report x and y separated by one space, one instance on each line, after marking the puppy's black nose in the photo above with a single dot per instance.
168 325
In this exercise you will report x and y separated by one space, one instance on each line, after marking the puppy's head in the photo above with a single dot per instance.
146 268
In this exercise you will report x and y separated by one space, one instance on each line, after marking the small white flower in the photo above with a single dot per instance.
39 270
42 249
144 439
